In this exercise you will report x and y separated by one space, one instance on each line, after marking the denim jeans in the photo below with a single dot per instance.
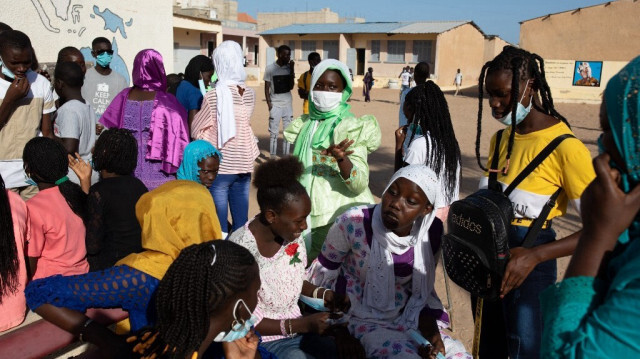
231 192
519 333
305 346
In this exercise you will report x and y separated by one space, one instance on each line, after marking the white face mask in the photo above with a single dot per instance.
325 101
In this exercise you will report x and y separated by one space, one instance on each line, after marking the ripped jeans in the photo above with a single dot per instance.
519 334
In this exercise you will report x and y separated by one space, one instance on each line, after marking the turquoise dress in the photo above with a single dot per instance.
586 317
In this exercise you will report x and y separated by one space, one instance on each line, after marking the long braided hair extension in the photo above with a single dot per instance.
116 151
9 263
191 290
47 161
431 112
523 66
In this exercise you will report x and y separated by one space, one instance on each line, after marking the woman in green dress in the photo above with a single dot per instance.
333 145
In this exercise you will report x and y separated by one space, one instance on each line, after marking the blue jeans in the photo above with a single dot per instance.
305 346
231 192
519 333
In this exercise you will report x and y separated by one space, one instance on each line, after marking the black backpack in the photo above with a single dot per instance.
476 247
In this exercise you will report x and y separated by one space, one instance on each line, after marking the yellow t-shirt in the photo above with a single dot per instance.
304 82
569 167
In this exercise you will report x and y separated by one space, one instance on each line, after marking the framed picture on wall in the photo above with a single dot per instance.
587 73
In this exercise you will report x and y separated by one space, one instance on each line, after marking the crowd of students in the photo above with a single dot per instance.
126 194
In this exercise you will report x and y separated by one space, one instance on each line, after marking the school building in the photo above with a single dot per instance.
387 47
583 48
271 20
201 25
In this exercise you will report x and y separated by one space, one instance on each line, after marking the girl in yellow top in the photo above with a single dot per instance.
172 217
519 97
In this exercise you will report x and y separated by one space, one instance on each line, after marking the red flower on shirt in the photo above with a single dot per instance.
292 251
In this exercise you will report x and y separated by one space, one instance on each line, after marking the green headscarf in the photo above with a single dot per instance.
623 112
326 122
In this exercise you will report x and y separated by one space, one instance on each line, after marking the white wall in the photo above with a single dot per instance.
131 25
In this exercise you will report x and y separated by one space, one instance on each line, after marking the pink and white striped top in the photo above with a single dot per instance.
240 152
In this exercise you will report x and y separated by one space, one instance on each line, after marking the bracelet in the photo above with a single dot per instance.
283 330
291 334
315 292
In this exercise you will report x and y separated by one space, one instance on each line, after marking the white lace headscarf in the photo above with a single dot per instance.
380 288
228 63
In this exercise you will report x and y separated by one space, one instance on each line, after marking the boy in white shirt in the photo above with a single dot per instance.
27 104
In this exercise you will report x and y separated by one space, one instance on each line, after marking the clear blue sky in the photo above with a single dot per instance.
495 17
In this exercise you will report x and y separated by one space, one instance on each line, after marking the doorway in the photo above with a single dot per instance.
360 62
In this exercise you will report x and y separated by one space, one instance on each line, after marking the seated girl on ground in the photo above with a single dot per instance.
113 232
381 257
56 213
274 238
220 282
172 217
14 233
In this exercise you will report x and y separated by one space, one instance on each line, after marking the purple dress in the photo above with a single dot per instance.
160 126
137 119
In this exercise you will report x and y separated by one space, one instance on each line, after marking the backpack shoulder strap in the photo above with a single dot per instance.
536 226
536 162
493 171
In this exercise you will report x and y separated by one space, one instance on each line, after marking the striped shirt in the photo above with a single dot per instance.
239 153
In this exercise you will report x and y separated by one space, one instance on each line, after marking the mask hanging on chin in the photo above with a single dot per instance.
521 111
204 89
239 328
325 101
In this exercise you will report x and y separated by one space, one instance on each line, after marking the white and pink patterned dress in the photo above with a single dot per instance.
281 281
342 266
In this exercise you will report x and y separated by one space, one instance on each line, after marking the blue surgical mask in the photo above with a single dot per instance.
521 112
239 328
203 90
6 72
29 180
104 59
315 303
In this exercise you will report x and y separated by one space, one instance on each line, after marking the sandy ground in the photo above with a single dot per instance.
464 110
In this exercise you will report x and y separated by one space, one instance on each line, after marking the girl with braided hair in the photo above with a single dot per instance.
14 232
113 232
172 217
520 98
274 237
432 141
56 213
207 295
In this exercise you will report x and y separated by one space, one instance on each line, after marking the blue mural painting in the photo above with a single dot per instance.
112 22
75 21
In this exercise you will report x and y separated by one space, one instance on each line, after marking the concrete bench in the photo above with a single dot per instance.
41 338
